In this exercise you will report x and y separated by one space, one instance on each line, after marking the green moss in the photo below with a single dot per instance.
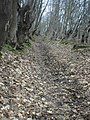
68 42
8 47
80 46
26 45
21 49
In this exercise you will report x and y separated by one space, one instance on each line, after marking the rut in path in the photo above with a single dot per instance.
66 94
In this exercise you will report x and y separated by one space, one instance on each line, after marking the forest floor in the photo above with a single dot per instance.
49 81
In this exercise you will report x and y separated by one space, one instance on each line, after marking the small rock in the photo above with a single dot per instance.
50 112
88 103
29 119
38 114
43 99
33 113
74 110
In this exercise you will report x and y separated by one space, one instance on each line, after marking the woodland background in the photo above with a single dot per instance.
62 19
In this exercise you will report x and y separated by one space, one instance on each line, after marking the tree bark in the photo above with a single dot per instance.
13 22
5 8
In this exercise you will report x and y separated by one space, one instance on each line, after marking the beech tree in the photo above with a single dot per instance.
68 19
5 11
19 20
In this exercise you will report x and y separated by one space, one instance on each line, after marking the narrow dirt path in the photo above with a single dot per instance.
65 90
48 82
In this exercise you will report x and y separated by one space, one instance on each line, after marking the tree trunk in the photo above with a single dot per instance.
4 17
13 22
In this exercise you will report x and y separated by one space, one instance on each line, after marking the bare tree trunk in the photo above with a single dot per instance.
13 22
5 8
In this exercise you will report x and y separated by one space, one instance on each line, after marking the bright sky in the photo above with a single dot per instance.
45 1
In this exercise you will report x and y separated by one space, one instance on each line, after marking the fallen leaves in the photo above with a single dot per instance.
46 83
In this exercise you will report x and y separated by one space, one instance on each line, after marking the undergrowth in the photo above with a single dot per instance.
81 46
75 45
8 47
68 42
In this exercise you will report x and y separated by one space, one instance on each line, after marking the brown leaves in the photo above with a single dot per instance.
46 83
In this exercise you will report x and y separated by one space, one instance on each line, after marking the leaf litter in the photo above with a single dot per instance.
47 82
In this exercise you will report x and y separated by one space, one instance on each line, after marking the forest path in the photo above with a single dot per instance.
48 82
